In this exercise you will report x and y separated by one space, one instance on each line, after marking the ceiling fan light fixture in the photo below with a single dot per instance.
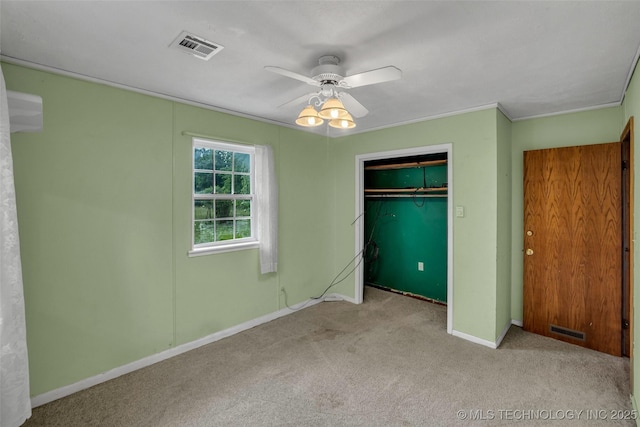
308 117
333 109
343 123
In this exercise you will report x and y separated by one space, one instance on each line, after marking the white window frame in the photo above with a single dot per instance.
231 244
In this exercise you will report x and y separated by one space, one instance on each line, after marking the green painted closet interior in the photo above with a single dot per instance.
402 230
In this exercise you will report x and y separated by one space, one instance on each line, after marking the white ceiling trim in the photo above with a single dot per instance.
83 77
504 111
497 105
454 55
632 69
577 110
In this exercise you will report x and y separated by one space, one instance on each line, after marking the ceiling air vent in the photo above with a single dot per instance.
196 46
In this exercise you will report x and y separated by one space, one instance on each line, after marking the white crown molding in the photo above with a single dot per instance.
632 69
59 71
504 112
577 110
435 117
328 134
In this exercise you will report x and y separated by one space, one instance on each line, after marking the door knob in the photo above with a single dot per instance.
529 251
529 233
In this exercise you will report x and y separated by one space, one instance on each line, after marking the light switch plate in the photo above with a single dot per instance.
460 211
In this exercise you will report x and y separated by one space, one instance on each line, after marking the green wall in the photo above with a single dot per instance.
104 211
631 108
473 137
94 210
503 224
406 231
218 291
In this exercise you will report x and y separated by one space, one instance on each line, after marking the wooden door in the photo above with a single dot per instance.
572 243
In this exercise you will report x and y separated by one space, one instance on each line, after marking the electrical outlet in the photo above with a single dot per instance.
460 211
420 266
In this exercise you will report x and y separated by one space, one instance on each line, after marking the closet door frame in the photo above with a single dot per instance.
359 215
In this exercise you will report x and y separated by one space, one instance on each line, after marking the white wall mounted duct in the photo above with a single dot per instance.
25 112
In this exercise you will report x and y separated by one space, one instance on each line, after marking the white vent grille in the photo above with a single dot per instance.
196 46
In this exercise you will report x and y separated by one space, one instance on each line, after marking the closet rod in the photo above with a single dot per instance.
406 195
405 190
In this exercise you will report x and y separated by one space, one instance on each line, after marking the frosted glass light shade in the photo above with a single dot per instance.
308 117
343 123
333 109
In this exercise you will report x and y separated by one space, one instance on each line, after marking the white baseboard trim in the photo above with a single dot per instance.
480 341
503 334
339 297
67 390
516 322
473 339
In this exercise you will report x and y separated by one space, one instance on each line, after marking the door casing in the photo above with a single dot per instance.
359 215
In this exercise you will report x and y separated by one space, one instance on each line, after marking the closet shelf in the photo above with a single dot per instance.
405 190
406 165
413 195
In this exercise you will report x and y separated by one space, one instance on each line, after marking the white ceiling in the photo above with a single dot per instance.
532 57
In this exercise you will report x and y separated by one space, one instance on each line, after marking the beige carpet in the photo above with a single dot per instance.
387 362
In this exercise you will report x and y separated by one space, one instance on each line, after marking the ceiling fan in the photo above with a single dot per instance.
337 104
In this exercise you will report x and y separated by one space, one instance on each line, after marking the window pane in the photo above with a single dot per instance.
203 183
223 193
243 207
224 230
203 232
223 160
241 184
224 208
241 162
203 209
223 183
203 158
243 228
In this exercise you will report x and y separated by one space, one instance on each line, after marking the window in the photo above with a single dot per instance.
224 211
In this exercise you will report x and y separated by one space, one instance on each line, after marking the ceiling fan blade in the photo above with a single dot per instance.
292 74
380 75
352 105
298 100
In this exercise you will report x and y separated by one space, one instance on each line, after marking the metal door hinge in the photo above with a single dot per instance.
625 324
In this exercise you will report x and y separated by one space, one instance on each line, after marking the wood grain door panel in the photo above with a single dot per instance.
573 235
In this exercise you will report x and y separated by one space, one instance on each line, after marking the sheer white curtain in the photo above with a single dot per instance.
15 404
267 195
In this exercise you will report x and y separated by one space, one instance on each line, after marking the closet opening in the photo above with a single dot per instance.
405 224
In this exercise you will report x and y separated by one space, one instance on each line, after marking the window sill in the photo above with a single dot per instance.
232 247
